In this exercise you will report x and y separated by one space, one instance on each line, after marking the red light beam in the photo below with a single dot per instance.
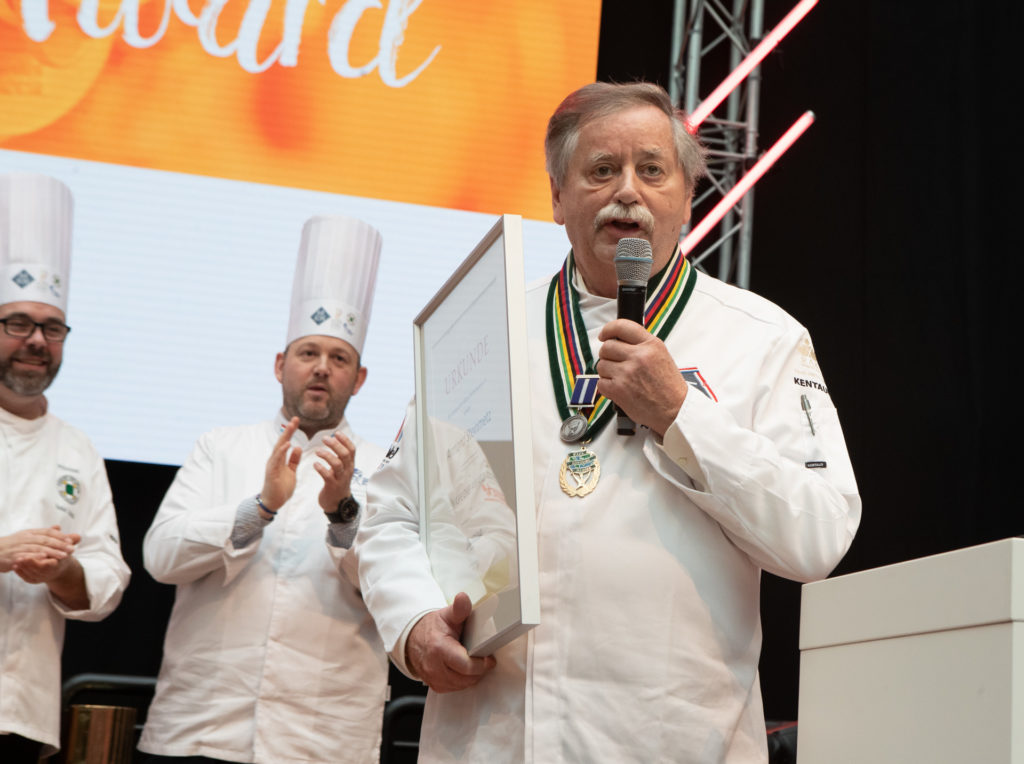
746 66
747 181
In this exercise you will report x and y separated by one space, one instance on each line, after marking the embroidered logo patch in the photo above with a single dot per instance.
693 377
69 488
23 278
808 358
320 316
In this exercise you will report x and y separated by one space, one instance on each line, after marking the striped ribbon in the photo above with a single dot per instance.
568 348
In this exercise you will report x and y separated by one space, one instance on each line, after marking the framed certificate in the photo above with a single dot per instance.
478 521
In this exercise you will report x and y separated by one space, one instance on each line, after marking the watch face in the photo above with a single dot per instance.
348 508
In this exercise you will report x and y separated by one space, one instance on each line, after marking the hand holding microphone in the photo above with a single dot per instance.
633 262
636 368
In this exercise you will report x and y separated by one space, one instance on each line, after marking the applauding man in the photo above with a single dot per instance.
270 655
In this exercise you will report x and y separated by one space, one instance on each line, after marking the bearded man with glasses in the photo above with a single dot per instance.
60 556
28 367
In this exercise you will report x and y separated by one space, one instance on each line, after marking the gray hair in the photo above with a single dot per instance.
602 99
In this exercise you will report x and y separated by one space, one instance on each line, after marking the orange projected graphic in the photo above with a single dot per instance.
436 102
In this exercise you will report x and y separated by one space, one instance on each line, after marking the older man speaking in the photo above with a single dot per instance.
649 638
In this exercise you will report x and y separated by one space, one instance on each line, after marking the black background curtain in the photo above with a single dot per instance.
891 230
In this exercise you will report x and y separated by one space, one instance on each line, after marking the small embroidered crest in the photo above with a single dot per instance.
808 358
23 278
69 488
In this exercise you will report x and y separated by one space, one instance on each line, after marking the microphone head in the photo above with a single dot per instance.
633 261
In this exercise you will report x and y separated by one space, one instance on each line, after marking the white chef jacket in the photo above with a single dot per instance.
650 633
270 654
50 474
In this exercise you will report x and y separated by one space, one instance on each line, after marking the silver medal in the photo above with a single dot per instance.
573 428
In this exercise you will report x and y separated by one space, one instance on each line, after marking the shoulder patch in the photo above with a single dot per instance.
808 358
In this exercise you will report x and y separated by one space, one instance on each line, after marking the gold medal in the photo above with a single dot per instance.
580 472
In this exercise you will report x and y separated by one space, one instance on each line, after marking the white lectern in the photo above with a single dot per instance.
916 663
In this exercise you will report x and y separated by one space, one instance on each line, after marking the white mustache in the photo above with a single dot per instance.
619 211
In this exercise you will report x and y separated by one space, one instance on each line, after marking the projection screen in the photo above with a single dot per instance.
198 135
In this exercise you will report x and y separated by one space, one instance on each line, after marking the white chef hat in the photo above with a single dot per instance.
334 279
35 239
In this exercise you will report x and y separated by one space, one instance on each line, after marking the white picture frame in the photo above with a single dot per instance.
474 443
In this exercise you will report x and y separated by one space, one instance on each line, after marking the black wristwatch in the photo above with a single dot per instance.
346 512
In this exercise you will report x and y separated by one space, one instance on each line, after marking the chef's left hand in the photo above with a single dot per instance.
64 577
637 372
339 461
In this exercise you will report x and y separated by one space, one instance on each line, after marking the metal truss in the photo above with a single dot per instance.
709 40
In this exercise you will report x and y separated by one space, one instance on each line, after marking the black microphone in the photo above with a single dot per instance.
633 261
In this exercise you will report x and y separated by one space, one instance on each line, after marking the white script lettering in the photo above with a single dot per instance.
39 27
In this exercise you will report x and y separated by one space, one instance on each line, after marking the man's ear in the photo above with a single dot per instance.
360 379
279 367
556 203
688 204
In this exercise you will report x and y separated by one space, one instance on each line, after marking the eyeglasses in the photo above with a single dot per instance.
22 326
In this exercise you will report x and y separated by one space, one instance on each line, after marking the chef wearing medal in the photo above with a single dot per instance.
651 545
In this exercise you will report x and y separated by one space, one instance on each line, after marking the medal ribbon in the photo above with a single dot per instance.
568 348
